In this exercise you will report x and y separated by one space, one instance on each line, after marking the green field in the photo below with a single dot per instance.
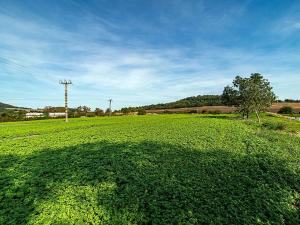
160 169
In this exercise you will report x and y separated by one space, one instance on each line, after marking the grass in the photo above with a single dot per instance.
166 169
290 126
293 115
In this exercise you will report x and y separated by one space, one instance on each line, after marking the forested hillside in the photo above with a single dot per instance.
194 101
3 106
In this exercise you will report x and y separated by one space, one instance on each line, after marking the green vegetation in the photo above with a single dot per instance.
274 125
249 95
290 126
194 101
19 114
166 169
141 112
10 115
289 101
286 110
3 106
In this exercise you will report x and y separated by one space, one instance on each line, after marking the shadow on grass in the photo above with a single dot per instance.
146 183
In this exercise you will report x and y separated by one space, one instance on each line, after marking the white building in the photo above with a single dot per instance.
57 114
34 115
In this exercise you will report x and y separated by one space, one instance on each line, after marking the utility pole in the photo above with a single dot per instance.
66 83
110 100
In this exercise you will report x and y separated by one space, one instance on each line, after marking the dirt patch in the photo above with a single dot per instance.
277 106
224 109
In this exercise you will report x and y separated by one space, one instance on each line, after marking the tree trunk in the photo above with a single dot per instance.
257 116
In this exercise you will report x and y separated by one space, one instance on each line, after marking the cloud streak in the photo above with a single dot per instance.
98 55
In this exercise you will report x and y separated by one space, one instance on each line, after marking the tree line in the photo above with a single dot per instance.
252 94
15 114
194 101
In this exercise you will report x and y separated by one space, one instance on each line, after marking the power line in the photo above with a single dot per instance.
66 83
13 65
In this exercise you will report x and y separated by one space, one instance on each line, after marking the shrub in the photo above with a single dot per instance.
274 125
90 114
141 112
286 110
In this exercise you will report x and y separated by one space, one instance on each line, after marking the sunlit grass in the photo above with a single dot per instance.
166 169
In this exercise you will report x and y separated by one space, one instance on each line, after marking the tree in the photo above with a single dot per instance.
99 112
82 110
86 109
107 111
125 111
249 95
229 96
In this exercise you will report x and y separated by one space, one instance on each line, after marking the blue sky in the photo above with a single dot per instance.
142 52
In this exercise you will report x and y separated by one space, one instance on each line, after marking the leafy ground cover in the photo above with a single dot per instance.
290 125
166 169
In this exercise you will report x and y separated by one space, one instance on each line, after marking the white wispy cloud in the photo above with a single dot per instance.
100 60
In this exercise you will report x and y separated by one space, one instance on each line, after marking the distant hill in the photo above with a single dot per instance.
190 102
3 106
194 101
290 100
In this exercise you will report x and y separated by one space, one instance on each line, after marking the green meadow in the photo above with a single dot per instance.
154 169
